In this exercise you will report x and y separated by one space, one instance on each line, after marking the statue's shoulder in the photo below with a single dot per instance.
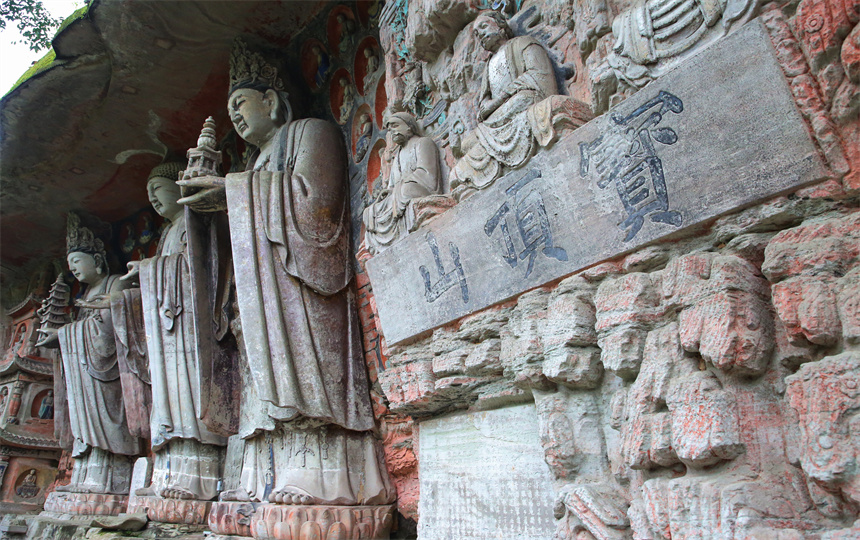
521 42
314 131
426 144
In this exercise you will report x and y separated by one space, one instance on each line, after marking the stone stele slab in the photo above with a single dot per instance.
717 133
482 475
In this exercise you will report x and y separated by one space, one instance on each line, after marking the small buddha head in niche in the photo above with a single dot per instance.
163 192
492 30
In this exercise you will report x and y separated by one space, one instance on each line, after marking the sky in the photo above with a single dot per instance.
15 59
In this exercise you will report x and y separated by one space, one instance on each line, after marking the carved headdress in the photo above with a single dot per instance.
249 70
80 239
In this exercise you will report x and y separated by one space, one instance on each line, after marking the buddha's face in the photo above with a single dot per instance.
253 114
85 267
163 194
488 32
399 129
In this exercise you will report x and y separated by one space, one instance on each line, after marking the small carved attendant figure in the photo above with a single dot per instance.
414 173
4 394
348 99
187 455
347 29
28 488
322 65
306 417
46 407
518 75
363 142
372 65
102 443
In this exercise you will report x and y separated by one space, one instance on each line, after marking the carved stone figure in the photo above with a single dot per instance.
102 442
674 29
518 75
28 488
363 143
46 407
347 32
372 58
187 455
414 173
348 99
322 63
306 413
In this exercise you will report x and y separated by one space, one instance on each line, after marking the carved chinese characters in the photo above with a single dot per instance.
646 176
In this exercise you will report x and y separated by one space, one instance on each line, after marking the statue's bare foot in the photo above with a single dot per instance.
238 495
177 493
293 496
145 492
68 488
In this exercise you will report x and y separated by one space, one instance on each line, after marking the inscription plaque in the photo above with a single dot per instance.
719 132
483 476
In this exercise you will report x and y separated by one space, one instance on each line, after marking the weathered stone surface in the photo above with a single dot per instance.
465 270
275 522
483 476
188 512
86 504
813 270
826 397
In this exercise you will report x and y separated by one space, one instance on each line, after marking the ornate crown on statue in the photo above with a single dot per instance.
80 239
250 69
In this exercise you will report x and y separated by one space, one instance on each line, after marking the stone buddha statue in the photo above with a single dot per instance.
187 455
103 445
518 76
307 421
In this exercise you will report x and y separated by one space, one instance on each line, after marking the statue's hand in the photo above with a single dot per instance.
133 271
99 301
50 338
204 193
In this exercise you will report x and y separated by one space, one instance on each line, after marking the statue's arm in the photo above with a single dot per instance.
537 72
425 179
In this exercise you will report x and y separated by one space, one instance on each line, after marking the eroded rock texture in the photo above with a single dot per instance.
703 387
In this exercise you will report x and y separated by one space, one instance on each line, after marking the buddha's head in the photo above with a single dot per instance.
86 253
86 267
257 105
163 192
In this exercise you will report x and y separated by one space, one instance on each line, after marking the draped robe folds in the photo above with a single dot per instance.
94 392
288 224
171 327
521 68
174 368
414 173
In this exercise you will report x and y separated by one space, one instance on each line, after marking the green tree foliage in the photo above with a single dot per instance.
32 19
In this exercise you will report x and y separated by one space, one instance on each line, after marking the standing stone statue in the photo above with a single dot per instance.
187 455
102 443
518 75
306 416
414 173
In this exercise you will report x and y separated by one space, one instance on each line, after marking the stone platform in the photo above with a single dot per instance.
86 504
187 512
285 522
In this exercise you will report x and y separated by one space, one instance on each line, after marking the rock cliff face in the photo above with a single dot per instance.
648 326
699 387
